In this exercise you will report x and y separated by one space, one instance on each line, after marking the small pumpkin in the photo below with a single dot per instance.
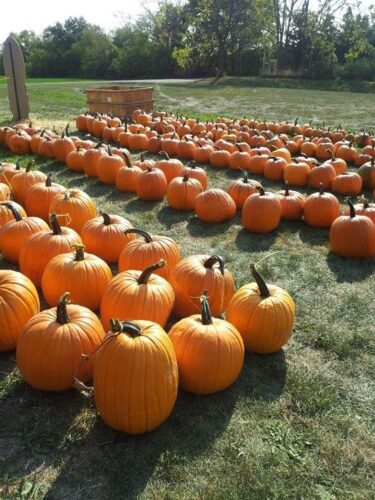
367 173
209 352
182 192
85 276
108 166
171 167
215 205
152 185
321 209
297 173
6 214
22 182
62 147
322 175
128 177
261 212
141 399
292 203
263 314
51 345
19 301
352 236
39 197
274 168
74 159
76 205
90 160
365 208
241 189
196 172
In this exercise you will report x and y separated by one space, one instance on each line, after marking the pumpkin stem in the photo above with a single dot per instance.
321 188
192 164
29 165
164 154
351 208
263 288
205 309
128 327
67 195
15 212
143 278
54 223
109 150
107 221
49 180
127 161
185 177
142 233
261 190
62 315
287 188
18 164
80 252
245 178
213 260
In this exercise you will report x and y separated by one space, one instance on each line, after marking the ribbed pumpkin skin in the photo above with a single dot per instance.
23 181
127 179
215 205
182 193
190 278
241 189
106 240
123 296
152 185
347 184
5 192
38 199
43 246
261 213
139 254
49 354
321 209
209 357
108 166
85 279
19 301
6 215
14 234
353 237
128 396
76 204
292 203
264 323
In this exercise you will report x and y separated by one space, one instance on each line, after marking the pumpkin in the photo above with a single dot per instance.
51 345
274 168
138 141
152 185
90 160
297 173
182 192
39 196
171 167
76 205
322 175
108 166
22 182
261 212
338 164
62 147
139 295
239 160
5 192
186 148
19 301
19 143
9 170
74 159
105 236
347 153
81 122
5 213
15 233
42 246
367 173
215 205
169 144
292 203
257 163
321 209
366 208
47 147
140 399
196 172
146 250
241 189
220 158
85 276
198 273
263 314
128 177
352 236
347 184
203 152
209 352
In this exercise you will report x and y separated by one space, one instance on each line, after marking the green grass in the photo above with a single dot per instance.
297 424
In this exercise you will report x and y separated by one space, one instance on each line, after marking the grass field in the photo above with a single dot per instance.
297 424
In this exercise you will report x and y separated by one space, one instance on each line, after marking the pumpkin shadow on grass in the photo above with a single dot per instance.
313 235
169 217
201 229
252 242
350 270
137 205
7 365
110 464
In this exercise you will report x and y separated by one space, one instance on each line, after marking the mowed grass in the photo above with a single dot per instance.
297 424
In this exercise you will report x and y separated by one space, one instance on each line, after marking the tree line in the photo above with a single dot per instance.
212 38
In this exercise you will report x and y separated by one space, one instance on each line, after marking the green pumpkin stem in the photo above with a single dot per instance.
15 212
143 278
54 223
213 260
62 315
263 288
144 235
205 310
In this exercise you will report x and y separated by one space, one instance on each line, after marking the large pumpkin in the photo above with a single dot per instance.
38 198
321 209
76 205
353 235
263 314
139 295
19 301
241 189
152 184
22 182
198 273
146 250
105 236
42 246
261 212
140 399
182 192
292 203
347 184
51 345
171 167
108 166
209 352
215 205
84 275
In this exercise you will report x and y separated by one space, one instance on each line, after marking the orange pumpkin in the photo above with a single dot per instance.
292 203
108 166
215 205
182 192
22 182
152 185
241 189
321 209
76 205
195 172
261 212
347 184
39 197
170 167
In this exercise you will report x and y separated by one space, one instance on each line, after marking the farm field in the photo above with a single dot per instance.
296 424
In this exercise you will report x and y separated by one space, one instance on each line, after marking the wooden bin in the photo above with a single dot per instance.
119 100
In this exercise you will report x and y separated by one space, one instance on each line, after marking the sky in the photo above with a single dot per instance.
36 15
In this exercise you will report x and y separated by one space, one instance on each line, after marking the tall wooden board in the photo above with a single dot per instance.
14 67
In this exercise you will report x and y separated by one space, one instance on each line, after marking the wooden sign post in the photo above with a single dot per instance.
14 67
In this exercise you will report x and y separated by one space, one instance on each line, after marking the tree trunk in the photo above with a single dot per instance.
222 56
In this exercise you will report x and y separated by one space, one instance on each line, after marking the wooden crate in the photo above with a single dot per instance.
119 100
